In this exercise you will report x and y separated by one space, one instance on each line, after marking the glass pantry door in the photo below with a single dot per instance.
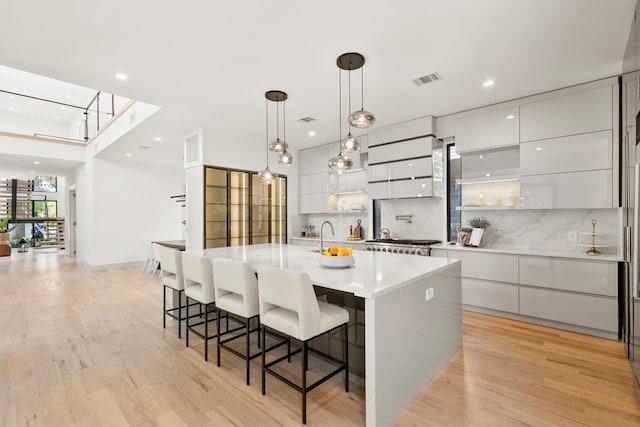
279 211
215 202
260 200
239 204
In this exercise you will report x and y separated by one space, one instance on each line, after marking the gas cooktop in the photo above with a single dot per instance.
426 242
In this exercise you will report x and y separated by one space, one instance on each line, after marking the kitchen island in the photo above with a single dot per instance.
413 317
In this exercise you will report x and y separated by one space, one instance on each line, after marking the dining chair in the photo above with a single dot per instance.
236 293
288 306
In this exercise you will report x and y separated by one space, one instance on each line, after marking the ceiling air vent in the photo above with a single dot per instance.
427 79
193 149
306 120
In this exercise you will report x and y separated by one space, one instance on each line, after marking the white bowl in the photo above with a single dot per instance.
337 261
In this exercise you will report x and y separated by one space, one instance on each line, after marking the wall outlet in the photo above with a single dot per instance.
572 236
429 294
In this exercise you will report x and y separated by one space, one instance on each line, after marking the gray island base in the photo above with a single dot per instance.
413 315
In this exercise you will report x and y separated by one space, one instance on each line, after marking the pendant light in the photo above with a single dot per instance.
280 145
362 118
268 175
340 163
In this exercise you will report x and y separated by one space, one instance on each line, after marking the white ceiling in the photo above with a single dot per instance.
208 63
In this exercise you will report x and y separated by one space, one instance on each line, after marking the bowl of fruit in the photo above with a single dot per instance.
336 257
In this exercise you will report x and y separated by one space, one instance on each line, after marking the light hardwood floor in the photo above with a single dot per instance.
85 348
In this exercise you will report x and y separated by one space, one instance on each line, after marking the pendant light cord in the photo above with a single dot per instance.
349 99
277 120
284 123
266 103
362 87
340 108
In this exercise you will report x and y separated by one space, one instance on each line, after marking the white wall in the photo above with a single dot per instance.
123 207
26 125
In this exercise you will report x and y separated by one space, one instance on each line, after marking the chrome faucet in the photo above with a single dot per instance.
321 238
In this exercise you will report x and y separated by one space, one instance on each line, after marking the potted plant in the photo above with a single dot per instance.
5 230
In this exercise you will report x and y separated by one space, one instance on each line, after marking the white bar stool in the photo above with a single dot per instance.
288 306
171 276
198 286
236 293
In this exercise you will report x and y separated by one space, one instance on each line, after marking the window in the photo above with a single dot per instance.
45 208
454 172
45 184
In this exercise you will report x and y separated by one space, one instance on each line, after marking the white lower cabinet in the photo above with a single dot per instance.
573 292
590 311
493 295
571 275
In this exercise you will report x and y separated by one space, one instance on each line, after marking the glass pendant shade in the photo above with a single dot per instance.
278 146
340 163
267 175
285 158
361 119
349 144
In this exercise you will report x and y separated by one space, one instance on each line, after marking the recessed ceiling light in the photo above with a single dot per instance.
36 162
63 108
488 83
424 185
488 174
511 116
68 96
312 133
11 97
121 76
481 156
11 108
127 154
57 117
157 138
539 149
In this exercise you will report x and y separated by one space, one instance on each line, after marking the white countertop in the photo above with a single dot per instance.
374 273
534 252
331 239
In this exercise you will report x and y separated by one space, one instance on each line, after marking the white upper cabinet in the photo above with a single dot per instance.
393 151
582 112
405 130
575 190
575 153
404 169
314 160
492 129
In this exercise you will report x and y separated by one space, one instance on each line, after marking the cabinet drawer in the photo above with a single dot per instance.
487 130
378 190
400 150
575 190
582 112
411 188
584 310
440 253
487 266
401 169
571 275
568 154
493 295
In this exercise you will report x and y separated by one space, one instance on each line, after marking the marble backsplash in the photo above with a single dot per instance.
427 218
340 221
548 229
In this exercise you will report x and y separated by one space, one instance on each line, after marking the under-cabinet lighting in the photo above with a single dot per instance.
487 181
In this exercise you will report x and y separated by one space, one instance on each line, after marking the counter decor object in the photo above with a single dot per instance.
336 257
478 224
592 246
